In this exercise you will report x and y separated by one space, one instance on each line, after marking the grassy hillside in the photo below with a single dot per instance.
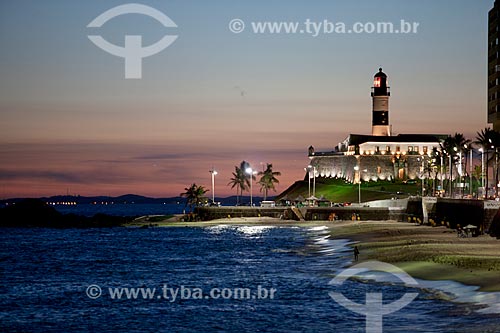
338 190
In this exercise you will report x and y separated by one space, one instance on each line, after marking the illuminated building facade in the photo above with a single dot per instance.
381 155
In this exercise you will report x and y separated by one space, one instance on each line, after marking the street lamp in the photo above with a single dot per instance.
356 168
213 172
422 173
441 169
451 176
481 150
314 180
251 172
309 181
471 149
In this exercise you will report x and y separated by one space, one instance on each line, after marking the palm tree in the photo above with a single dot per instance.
460 140
451 146
240 181
436 166
484 139
447 148
268 179
461 145
195 195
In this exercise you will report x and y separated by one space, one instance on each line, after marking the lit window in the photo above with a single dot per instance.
376 82
388 148
416 149
410 149
425 149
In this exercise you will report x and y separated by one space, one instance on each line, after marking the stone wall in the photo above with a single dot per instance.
364 213
212 213
378 167
309 213
461 212
455 211
476 212
338 166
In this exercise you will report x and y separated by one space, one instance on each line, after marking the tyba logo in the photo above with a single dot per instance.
374 309
133 52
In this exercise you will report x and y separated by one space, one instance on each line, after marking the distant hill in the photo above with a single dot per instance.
30 213
131 198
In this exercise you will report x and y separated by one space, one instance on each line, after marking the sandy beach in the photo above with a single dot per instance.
429 253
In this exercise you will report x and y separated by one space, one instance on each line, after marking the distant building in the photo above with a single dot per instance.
381 155
494 67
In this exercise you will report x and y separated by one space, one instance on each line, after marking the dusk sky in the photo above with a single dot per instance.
70 121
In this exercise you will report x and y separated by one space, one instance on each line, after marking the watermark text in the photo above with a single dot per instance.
323 27
173 294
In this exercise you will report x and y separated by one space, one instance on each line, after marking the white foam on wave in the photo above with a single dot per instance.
255 230
327 250
318 228
322 240
466 294
218 229
455 291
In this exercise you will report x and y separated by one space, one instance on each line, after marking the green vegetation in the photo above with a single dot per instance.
338 190
195 195
240 180
268 179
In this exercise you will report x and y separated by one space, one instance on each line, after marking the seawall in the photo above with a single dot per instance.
440 210
306 213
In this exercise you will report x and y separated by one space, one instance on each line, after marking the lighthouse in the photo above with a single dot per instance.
380 106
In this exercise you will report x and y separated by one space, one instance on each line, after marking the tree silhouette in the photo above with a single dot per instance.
268 179
240 181
195 195
485 139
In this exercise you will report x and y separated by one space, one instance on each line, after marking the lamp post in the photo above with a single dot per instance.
487 172
471 149
451 176
313 168
251 172
441 167
496 170
461 173
309 181
422 173
356 168
481 150
213 172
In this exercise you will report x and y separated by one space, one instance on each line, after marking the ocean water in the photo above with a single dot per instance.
46 273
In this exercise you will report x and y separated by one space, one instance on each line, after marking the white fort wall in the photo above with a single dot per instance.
378 167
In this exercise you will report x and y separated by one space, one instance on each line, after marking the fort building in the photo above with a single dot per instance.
381 155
